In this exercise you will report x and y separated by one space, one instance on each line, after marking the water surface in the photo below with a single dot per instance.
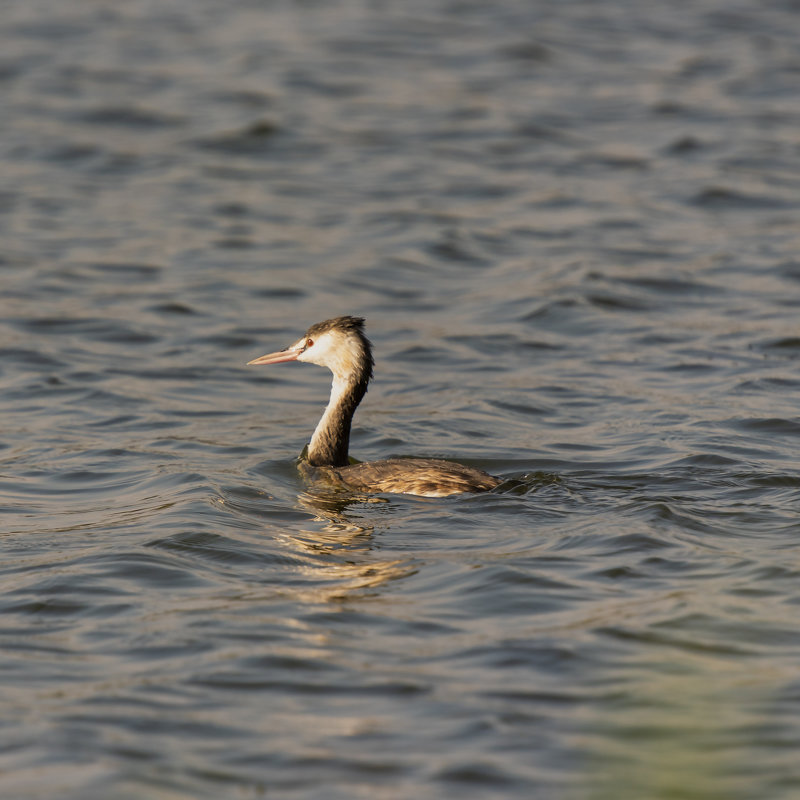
572 228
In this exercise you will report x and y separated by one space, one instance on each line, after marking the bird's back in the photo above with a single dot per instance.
427 477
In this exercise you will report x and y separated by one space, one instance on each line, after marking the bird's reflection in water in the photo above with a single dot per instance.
333 505
343 548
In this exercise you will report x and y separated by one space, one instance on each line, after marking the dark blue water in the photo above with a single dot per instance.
573 230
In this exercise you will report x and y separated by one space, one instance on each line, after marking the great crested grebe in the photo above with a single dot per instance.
341 345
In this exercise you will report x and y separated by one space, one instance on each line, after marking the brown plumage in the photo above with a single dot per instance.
341 345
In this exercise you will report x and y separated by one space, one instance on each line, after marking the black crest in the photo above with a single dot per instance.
345 324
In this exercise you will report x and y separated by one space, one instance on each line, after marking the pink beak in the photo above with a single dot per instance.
289 354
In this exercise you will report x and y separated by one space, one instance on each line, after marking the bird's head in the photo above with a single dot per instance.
339 344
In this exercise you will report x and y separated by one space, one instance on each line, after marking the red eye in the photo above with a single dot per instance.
309 342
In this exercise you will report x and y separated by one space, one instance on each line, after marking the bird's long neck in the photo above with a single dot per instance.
331 439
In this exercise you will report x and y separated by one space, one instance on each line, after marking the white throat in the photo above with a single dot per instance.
339 388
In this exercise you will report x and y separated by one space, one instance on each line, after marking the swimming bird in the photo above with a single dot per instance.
341 345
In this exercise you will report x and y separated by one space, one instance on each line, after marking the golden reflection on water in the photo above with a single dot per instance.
346 542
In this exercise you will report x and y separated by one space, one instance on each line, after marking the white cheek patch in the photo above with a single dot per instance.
340 354
321 352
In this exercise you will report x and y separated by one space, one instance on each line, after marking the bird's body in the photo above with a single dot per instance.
426 477
340 345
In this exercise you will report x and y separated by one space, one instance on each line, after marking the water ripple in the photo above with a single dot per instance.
572 230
